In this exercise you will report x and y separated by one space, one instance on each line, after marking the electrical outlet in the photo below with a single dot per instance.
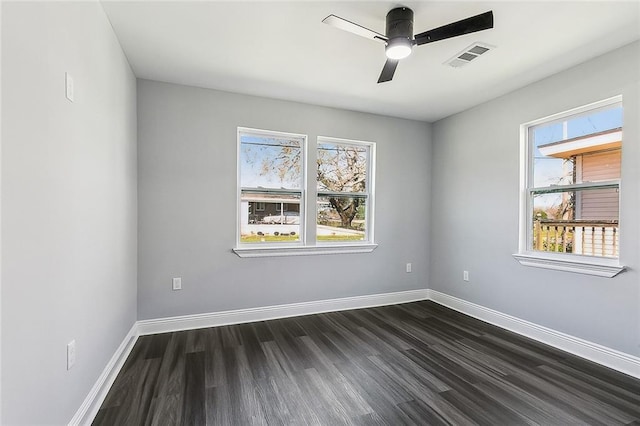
71 354
177 283
408 267
465 275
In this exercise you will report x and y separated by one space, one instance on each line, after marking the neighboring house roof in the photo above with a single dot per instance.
609 139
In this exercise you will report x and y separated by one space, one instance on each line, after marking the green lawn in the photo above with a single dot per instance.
272 238
339 237
267 238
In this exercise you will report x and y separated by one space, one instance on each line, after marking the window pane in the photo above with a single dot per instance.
559 148
550 170
262 219
584 150
341 218
581 222
342 168
596 122
270 162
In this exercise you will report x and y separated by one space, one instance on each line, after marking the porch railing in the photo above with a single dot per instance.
586 237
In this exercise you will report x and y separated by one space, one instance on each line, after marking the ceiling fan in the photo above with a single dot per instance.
399 36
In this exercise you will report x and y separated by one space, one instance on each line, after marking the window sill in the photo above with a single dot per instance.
303 251
600 269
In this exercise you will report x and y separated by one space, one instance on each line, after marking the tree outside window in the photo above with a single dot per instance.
344 180
272 189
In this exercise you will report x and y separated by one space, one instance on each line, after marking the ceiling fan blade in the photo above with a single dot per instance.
343 24
388 70
484 21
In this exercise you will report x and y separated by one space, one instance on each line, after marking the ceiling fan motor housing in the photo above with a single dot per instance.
400 23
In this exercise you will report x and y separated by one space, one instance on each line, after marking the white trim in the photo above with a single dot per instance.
616 360
608 270
0 211
343 141
371 201
303 250
89 408
555 261
238 316
604 103
603 355
523 214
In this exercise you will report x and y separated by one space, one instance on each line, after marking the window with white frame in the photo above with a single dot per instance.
271 168
571 186
273 192
344 190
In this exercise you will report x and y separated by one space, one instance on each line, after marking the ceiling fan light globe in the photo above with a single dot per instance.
398 49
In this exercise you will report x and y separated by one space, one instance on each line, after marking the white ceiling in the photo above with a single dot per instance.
282 50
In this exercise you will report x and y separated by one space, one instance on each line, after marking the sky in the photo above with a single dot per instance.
256 150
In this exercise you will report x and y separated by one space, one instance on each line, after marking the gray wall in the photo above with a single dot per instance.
68 206
475 209
187 204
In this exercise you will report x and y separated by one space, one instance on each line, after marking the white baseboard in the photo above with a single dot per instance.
214 319
89 408
602 355
611 358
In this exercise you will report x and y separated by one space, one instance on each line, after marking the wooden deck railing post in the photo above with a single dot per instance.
537 233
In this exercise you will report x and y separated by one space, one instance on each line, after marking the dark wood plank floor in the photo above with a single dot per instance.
416 363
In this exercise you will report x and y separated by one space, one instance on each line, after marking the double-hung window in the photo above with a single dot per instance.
271 187
344 190
570 199
279 191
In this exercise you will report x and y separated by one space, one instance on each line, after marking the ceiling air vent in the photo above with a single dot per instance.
469 54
